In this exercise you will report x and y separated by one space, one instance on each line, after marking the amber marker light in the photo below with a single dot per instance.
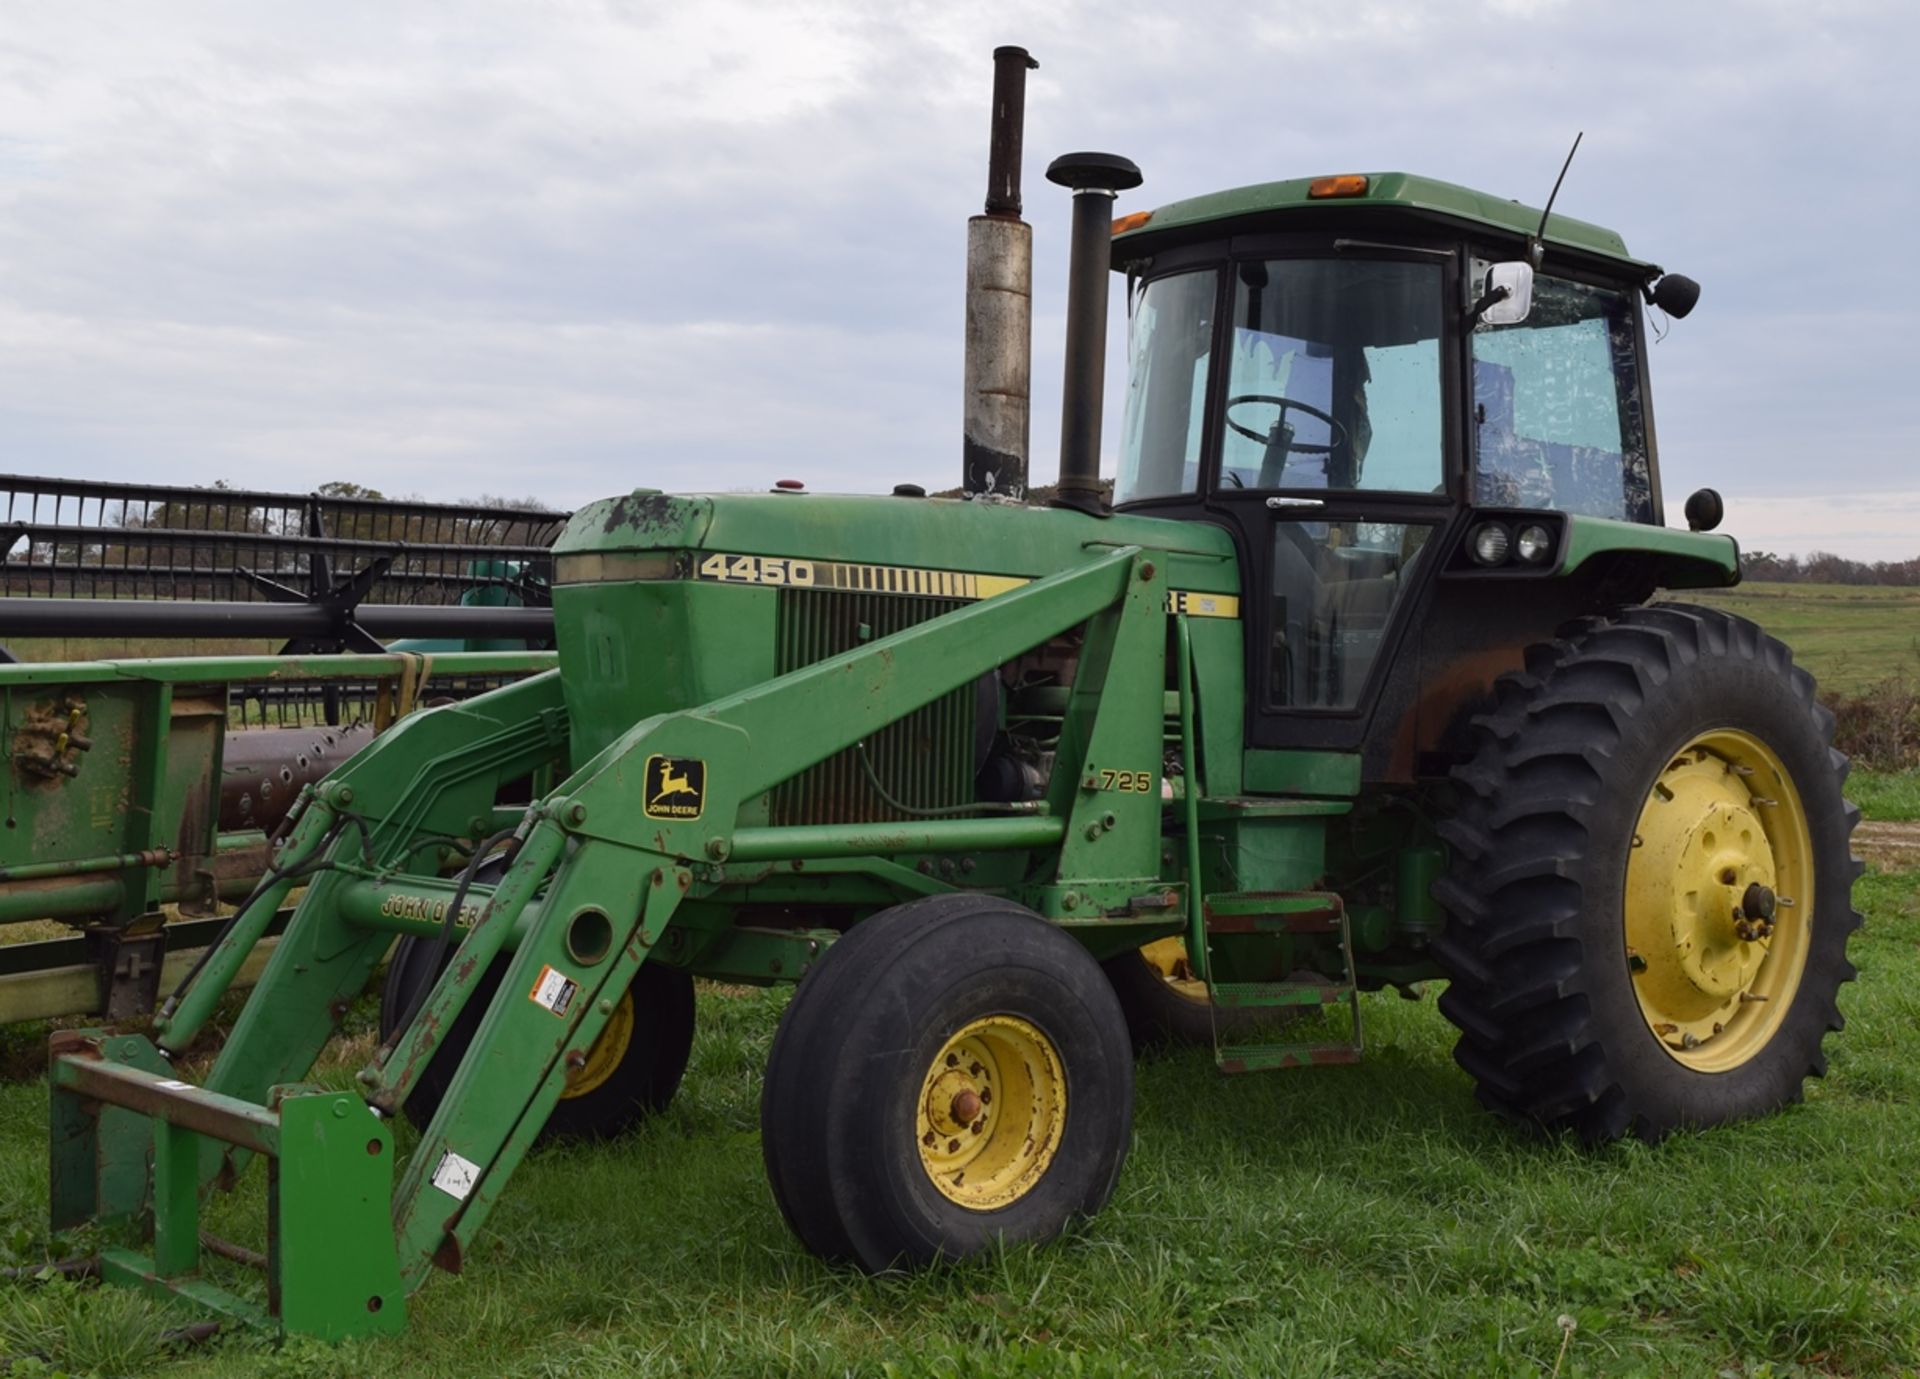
1131 222
1347 184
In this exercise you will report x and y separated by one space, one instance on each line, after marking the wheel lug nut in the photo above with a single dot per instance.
929 1139
986 1096
953 1146
953 1060
975 1070
980 1125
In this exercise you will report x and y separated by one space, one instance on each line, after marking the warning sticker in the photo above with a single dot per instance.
676 788
456 1176
554 991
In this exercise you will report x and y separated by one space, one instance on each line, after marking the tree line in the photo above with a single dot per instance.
1824 567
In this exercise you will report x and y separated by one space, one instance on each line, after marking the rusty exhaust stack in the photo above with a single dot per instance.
999 346
1095 178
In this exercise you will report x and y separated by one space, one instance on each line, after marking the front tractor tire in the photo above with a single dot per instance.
953 1073
1651 887
631 1071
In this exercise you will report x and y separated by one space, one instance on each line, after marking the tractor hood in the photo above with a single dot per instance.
605 540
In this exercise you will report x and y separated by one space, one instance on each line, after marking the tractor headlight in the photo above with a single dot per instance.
1489 543
1534 544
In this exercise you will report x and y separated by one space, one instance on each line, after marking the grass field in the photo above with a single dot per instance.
1886 796
135 648
1848 635
1358 1221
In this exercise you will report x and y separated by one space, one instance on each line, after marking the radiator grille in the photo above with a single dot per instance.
925 760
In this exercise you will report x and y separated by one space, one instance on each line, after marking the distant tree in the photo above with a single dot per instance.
215 512
496 500
177 566
340 488
343 519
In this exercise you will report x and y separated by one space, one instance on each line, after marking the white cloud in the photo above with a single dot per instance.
1881 525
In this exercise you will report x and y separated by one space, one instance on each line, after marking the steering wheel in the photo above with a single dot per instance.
1337 434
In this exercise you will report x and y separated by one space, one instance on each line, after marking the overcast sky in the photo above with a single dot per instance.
571 248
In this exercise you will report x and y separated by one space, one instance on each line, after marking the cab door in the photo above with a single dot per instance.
1338 462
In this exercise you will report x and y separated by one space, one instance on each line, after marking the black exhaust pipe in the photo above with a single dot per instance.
1095 179
1009 129
998 367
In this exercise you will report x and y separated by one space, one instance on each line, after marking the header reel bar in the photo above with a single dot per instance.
204 561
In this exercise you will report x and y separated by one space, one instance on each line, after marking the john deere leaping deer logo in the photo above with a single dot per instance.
676 787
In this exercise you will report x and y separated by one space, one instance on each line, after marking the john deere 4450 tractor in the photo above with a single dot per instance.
1363 679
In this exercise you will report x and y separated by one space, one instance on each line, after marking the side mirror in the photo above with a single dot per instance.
1675 294
1704 510
1508 299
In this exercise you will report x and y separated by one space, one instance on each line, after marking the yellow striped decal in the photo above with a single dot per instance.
1203 605
910 580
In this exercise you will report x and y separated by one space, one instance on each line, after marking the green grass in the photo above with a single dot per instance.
136 648
1885 796
1344 1221
1848 635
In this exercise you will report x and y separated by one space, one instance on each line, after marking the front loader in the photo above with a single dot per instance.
1361 681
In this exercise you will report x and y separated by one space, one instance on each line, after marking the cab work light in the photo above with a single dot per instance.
1534 544
1490 543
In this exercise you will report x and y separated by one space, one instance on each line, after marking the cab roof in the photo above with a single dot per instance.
1394 191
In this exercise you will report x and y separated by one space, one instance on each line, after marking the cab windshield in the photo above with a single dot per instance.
1333 379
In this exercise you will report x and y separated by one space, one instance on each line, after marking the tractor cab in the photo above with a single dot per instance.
1374 381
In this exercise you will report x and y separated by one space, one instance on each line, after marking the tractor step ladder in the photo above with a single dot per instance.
1282 912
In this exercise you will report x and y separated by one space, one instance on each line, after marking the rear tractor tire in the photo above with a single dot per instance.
953 1073
1166 1002
1651 887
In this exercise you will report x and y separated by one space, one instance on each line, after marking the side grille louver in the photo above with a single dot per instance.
925 760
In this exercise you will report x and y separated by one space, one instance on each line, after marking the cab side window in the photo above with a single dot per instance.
1557 410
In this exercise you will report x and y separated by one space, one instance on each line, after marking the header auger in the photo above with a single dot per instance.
1360 686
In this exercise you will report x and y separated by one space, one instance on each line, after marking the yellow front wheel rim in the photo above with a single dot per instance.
607 1053
992 1108
1167 958
1719 900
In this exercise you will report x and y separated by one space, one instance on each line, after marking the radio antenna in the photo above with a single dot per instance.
1537 246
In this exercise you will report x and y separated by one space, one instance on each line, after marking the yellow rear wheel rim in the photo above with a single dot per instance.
607 1053
1722 832
992 1108
1168 959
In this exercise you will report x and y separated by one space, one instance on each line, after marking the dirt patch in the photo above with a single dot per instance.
1894 847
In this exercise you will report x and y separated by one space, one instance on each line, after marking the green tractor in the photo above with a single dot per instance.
1361 681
